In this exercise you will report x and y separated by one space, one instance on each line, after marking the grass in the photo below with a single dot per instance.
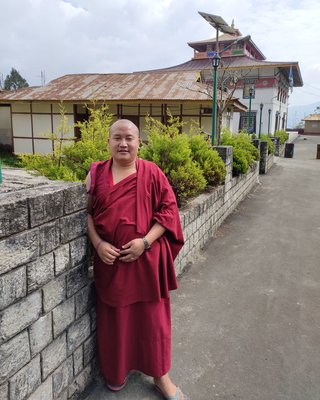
9 160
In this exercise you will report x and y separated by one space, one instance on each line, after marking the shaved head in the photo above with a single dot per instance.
121 123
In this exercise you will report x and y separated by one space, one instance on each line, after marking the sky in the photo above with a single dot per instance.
46 39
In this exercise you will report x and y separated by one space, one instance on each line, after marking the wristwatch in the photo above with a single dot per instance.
146 243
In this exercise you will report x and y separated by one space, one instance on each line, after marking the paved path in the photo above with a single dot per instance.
247 316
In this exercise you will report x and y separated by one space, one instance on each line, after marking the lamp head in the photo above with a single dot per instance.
215 60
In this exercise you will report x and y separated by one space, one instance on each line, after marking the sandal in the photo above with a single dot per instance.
178 396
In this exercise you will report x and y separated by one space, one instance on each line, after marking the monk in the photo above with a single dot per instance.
134 227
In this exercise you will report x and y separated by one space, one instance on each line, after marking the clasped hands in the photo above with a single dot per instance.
130 252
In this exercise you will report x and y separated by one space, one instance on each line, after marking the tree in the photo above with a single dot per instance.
14 81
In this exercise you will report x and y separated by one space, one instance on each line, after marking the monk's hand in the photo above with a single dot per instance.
108 253
132 250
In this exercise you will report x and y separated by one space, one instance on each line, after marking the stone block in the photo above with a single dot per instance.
75 198
78 332
44 391
78 250
20 315
4 391
13 286
80 383
62 377
14 354
54 293
73 225
40 334
45 205
225 152
77 278
40 272
78 360
93 317
63 395
85 298
89 349
49 237
53 355
18 249
63 316
13 214
61 259
26 380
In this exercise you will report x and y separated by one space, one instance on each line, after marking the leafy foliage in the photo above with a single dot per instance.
170 150
187 160
208 159
71 162
14 81
244 152
282 135
267 138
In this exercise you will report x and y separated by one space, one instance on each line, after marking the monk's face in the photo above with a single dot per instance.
124 142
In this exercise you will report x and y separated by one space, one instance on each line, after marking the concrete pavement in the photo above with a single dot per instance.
246 318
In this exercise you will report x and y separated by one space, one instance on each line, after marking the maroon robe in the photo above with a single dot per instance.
134 297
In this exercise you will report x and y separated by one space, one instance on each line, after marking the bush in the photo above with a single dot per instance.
71 162
267 138
283 136
244 152
170 150
208 159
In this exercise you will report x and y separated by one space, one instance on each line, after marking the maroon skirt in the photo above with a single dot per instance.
134 338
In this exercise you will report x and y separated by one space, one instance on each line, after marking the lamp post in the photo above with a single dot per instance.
269 111
249 116
215 64
261 107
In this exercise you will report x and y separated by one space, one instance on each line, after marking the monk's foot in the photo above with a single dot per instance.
165 386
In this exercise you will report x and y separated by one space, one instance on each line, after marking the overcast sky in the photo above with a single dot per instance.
78 36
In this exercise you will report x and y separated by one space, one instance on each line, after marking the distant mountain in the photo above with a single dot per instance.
297 113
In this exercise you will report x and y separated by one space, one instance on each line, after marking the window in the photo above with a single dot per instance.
244 119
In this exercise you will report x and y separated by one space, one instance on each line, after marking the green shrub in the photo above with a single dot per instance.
71 162
240 161
267 138
244 152
208 159
170 150
282 135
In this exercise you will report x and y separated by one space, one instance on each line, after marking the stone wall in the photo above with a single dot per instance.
47 323
47 318
203 216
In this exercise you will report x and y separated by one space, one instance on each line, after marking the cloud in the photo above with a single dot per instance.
74 36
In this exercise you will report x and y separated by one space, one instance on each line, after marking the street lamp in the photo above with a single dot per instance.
261 107
220 25
249 117
215 60
269 111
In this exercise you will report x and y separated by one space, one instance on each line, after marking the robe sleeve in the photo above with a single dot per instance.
167 214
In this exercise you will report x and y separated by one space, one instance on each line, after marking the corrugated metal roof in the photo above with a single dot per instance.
242 62
164 85
138 86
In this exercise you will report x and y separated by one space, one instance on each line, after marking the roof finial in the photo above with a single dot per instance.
232 23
